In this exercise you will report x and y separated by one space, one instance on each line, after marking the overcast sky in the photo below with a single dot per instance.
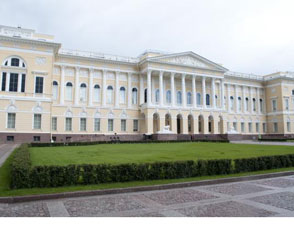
250 36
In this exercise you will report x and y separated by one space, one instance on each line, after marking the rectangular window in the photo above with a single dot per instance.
274 105
123 125
242 127
37 121
37 138
287 104
54 123
275 126
3 82
288 126
135 125
13 82
11 120
110 125
257 127
264 127
235 126
10 138
14 62
23 82
250 127
83 124
97 124
39 85
68 124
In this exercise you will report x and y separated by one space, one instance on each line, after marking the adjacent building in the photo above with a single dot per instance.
52 94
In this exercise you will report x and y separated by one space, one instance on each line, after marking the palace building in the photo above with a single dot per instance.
52 94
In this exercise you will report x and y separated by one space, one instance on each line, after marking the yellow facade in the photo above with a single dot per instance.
51 93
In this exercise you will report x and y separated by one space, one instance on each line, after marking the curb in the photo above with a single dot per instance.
19 199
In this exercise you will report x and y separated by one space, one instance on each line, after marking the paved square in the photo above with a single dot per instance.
96 206
36 209
278 182
178 196
236 189
225 209
283 200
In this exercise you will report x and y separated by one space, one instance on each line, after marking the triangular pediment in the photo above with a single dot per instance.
188 59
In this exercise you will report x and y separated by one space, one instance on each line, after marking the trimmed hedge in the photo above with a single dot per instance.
120 142
23 175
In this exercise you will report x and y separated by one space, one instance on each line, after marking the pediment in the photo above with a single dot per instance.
188 59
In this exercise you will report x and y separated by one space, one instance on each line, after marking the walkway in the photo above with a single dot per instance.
263 142
5 151
262 198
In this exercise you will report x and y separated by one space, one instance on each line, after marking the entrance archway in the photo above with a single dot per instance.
210 124
201 124
179 124
190 124
156 123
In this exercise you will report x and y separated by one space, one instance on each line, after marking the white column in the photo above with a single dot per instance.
161 88
258 102
213 92
203 93
149 88
194 91
141 89
236 99
172 88
244 99
116 89
184 99
77 86
103 87
129 90
19 82
229 98
222 95
62 85
90 101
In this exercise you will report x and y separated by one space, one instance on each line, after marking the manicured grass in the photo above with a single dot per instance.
154 152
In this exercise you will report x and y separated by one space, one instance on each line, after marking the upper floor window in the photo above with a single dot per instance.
157 96
293 92
39 84
239 103
261 105
134 96
122 95
68 93
83 92
287 103
55 90
96 93
14 62
207 99
168 97
109 94
254 104
274 105
232 103
189 98
179 97
247 104
198 99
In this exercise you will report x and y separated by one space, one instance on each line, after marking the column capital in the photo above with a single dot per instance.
77 68
161 73
172 73
62 67
91 70
184 75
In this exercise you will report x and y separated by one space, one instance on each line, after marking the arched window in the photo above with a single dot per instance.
55 90
122 95
134 96
109 94
198 99
83 92
145 95
232 103
216 100
68 95
254 104
168 97
239 103
14 62
189 98
96 93
293 92
207 99
157 96
179 98
261 105
247 104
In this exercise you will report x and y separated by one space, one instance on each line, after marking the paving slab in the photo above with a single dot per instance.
279 182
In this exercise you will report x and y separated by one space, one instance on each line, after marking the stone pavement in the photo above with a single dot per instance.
263 142
273 197
5 151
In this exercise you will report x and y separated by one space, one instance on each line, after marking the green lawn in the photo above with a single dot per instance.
142 153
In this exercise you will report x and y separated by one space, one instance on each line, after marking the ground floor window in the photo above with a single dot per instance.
135 125
11 120
68 124
257 127
250 127
275 126
288 126
242 127
54 123
37 138
37 121
97 124
264 127
83 124
235 126
10 138
110 125
123 125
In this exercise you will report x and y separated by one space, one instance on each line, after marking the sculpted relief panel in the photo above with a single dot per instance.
186 60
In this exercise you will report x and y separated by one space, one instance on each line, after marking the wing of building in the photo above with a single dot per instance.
49 93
